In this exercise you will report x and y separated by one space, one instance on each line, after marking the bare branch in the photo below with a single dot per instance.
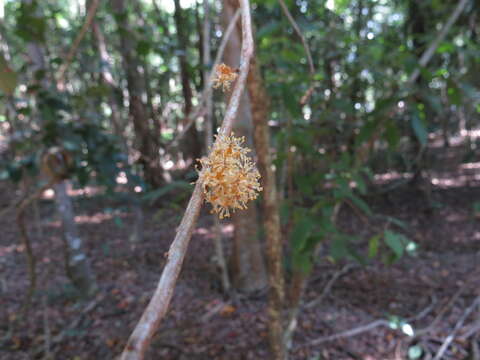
448 340
158 306
326 290
207 91
351 332
217 237
367 327
428 54
300 35
88 21
304 99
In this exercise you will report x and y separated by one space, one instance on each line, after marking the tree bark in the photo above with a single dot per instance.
248 266
191 141
206 59
271 222
142 335
145 136
107 78
77 266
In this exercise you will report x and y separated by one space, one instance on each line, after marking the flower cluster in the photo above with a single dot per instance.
229 176
225 75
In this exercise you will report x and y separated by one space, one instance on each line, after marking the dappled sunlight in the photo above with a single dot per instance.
96 218
48 194
363 116
122 178
456 217
385 178
227 229
10 249
209 233
457 139
202 231
86 191
470 166
454 181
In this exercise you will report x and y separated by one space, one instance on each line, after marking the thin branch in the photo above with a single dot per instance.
57 339
367 327
217 234
68 59
158 306
300 35
304 99
328 287
349 333
200 108
442 312
428 54
448 340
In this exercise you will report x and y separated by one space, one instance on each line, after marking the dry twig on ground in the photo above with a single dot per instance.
364 328
326 290
448 340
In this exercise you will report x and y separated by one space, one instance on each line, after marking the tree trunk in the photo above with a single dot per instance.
206 60
271 222
107 79
248 267
77 266
145 137
191 141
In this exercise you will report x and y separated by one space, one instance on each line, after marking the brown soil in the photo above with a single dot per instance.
442 223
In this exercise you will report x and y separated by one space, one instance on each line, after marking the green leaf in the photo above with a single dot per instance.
453 93
419 129
143 47
373 244
302 229
392 134
268 29
434 102
362 205
8 77
446 47
395 241
338 248
303 240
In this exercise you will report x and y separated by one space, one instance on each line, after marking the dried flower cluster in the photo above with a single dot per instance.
225 75
229 176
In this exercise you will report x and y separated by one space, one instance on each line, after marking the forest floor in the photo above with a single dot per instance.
429 291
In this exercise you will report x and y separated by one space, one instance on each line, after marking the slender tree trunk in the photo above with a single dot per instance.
271 222
118 126
206 59
248 267
107 79
145 136
191 141
77 266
